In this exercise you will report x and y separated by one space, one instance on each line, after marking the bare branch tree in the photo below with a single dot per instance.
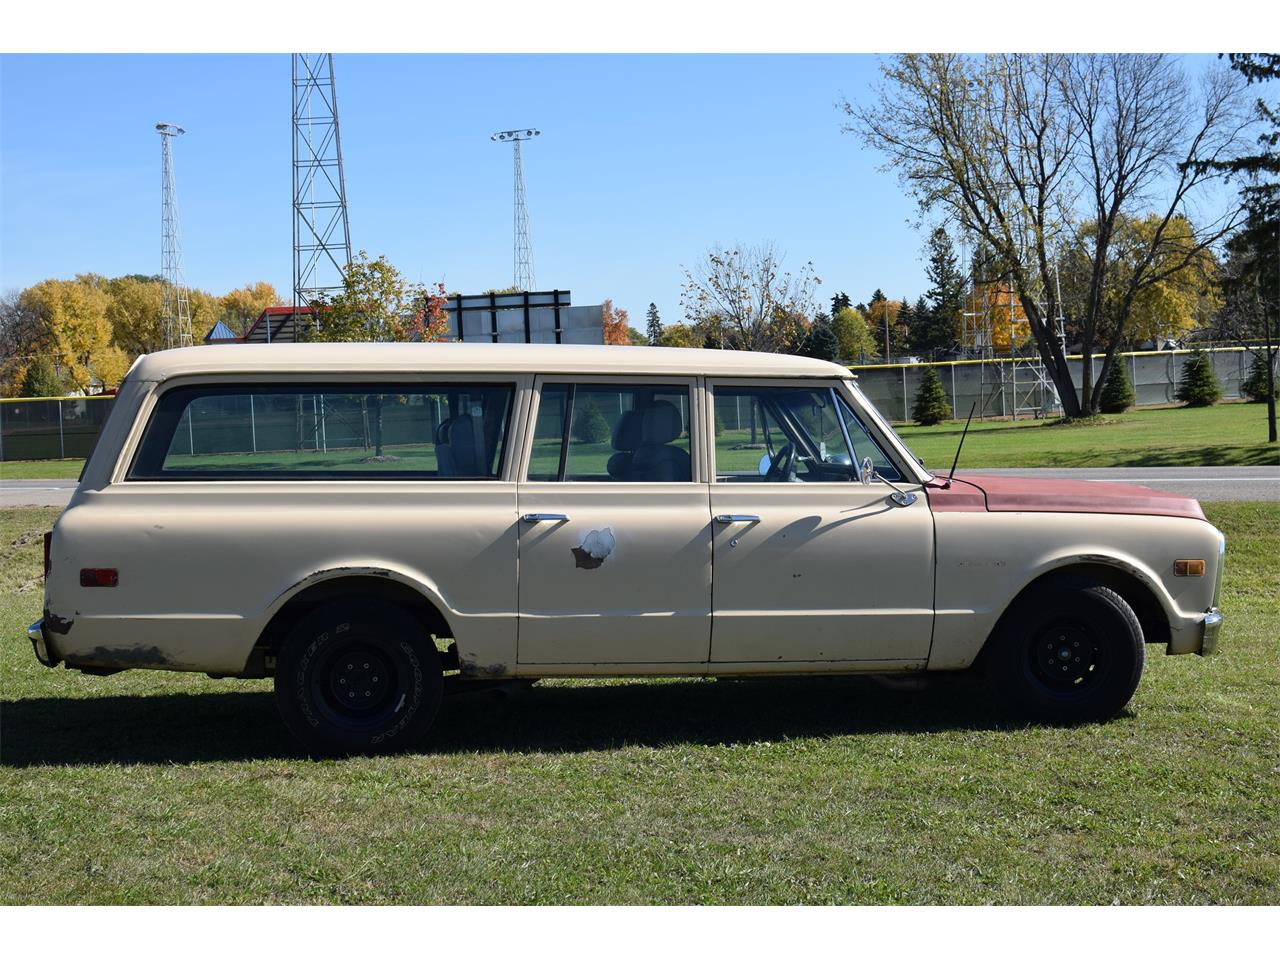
1023 150
745 297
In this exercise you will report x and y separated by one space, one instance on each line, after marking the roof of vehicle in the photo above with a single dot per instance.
410 358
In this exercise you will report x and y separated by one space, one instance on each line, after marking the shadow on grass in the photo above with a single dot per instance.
185 728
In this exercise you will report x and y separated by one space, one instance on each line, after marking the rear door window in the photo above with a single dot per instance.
632 433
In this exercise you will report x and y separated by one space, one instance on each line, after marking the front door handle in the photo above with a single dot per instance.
539 517
737 518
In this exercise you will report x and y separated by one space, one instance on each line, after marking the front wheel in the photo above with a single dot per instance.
358 677
1070 651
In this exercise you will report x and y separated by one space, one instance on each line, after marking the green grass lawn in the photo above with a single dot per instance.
40 469
1227 434
166 788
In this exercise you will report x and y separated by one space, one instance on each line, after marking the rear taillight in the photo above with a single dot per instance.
99 577
48 539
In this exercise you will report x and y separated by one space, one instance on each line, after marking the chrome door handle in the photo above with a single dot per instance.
539 517
737 518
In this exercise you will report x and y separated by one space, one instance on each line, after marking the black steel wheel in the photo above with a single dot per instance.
1070 651
358 677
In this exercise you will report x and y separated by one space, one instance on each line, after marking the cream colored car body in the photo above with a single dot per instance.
834 577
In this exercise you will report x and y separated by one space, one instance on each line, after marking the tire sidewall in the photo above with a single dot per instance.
327 632
1094 606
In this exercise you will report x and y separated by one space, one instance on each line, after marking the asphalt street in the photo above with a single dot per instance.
1203 483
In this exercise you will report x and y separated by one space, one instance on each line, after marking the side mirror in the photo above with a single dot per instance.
868 471
765 463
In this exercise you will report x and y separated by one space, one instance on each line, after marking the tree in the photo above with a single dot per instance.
136 313
745 299
931 404
377 304
855 339
937 326
22 337
1167 308
589 424
886 325
906 321
653 325
678 335
242 306
839 302
1254 285
1020 150
615 324
1260 382
1117 392
41 380
1199 385
72 315
821 343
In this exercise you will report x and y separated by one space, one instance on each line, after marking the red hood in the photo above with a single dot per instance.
1032 494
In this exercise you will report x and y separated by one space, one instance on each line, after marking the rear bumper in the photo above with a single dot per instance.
35 633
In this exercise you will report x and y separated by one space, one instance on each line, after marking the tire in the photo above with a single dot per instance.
358 677
1069 651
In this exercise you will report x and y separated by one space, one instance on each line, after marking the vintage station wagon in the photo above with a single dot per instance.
364 522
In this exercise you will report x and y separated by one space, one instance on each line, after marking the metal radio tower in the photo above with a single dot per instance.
524 250
176 306
321 235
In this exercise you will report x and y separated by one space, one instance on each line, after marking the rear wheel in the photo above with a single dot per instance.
358 677
1071 651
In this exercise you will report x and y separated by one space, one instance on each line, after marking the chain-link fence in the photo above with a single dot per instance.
51 428
54 428
1009 388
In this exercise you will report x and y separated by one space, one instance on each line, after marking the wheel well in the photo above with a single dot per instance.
261 658
1151 616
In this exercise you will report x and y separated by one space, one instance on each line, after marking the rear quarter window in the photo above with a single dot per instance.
327 431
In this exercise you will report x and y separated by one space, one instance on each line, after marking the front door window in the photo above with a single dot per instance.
781 435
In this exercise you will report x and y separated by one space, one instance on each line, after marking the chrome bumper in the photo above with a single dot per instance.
35 633
1212 625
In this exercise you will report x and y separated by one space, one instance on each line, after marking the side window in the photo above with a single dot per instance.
779 435
328 432
864 446
634 433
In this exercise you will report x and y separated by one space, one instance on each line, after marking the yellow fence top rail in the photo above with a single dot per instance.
1035 358
96 396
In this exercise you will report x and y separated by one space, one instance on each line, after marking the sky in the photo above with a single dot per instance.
645 161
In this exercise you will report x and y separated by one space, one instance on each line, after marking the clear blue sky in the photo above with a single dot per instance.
644 162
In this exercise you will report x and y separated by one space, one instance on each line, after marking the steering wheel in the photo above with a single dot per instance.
783 464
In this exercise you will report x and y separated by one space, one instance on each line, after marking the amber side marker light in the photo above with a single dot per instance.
99 577
1188 568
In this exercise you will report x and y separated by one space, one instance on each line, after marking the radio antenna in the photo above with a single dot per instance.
960 445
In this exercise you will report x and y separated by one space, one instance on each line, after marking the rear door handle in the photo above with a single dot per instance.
539 517
737 518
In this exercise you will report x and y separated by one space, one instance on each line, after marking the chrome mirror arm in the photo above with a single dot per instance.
899 496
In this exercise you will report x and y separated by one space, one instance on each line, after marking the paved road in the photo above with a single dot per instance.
1203 483
35 493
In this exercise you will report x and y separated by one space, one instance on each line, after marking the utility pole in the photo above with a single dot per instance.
523 248
887 357
321 231
176 306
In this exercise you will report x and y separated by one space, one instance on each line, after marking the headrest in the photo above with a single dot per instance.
442 430
626 432
456 430
661 422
